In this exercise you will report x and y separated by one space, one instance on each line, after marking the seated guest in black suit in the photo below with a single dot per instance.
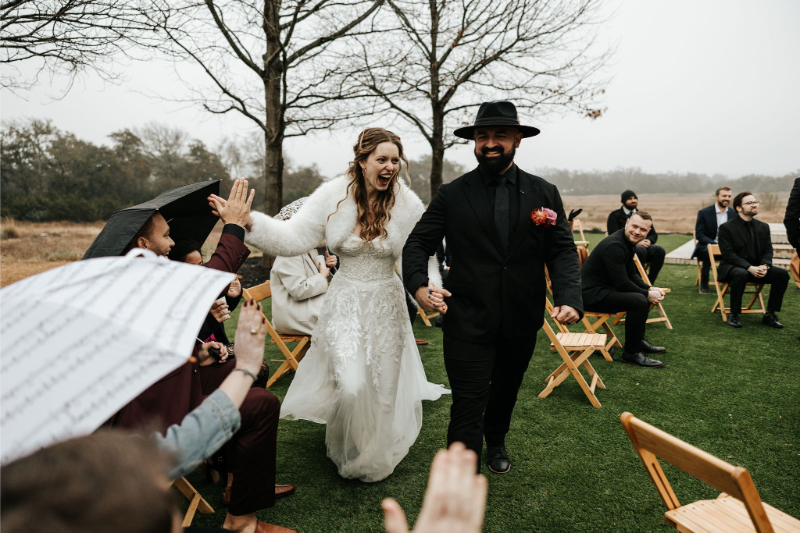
706 229
611 283
647 250
746 249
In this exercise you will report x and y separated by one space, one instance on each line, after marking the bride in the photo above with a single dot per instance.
362 376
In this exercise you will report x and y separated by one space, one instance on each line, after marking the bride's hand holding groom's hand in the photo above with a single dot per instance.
454 501
236 210
431 298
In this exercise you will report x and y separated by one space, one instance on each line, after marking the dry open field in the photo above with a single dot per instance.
46 245
672 213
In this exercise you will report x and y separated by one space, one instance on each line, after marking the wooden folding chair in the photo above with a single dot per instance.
196 501
426 318
262 292
722 289
696 260
576 224
602 321
574 349
662 313
738 509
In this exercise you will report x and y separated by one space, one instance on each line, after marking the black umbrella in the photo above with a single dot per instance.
185 208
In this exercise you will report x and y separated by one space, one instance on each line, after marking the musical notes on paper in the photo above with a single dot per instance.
79 342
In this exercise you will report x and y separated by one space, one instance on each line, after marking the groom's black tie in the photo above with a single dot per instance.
501 211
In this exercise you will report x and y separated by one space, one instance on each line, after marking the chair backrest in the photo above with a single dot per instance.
548 307
580 229
259 292
642 271
651 443
713 252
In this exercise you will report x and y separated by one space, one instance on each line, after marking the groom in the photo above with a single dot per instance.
495 297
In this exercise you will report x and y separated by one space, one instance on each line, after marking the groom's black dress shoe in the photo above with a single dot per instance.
497 459
640 359
649 348
733 321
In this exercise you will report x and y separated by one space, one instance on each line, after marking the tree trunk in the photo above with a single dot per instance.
437 151
276 125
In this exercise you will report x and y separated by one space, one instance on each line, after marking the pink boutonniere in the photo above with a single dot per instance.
544 216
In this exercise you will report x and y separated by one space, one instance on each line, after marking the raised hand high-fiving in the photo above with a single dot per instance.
236 210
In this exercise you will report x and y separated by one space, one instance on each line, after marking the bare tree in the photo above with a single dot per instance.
66 35
279 63
449 55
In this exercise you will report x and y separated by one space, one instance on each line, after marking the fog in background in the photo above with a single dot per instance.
706 87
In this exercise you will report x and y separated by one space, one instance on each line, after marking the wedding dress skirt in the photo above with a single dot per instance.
362 375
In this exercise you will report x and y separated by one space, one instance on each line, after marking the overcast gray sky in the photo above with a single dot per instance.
698 86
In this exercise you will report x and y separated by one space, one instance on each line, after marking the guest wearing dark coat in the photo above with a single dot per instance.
706 229
252 452
792 222
746 248
792 217
646 249
610 283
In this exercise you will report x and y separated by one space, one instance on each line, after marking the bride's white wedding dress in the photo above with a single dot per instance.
362 376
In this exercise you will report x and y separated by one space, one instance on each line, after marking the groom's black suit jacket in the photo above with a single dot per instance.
495 292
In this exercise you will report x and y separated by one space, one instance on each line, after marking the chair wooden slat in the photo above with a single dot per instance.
293 357
574 349
196 501
738 510
722 289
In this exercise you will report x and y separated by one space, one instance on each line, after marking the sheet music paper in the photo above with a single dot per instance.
81 341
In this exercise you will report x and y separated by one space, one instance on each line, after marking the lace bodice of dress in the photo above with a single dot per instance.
365 261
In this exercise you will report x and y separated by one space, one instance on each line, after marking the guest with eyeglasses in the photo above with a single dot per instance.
746 249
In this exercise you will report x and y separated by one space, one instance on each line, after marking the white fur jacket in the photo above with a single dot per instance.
311 225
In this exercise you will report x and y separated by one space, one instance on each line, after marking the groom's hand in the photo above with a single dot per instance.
431 298
565 314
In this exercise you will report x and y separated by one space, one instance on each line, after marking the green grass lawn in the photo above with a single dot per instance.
733 393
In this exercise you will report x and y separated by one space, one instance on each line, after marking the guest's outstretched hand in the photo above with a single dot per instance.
454 501
235 289
236 210
249 340
220 311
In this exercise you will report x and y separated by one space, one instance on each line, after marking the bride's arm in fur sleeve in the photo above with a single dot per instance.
414 208
305 230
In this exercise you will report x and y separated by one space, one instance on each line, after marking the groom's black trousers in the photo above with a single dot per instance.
485 380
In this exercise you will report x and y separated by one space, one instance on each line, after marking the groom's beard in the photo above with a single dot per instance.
495 165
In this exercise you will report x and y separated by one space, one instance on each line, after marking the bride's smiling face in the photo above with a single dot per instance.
381 166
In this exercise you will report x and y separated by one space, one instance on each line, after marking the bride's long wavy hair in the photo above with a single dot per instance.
368 141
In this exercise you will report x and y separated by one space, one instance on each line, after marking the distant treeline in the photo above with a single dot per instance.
47 174
616 181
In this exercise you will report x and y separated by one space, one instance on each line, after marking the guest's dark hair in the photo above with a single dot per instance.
183 248
145 231
720 189
737 202
111 481
644 215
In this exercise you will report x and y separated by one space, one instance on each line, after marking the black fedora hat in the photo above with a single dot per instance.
496 114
